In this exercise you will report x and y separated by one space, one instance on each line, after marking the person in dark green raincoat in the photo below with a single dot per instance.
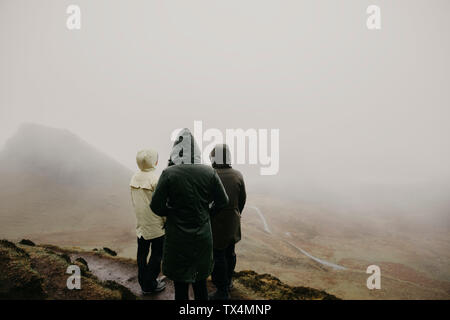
187 192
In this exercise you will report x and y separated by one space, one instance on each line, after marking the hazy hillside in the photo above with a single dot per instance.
56 188
53 182
307 244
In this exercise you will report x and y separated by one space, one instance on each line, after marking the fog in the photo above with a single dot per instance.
363 115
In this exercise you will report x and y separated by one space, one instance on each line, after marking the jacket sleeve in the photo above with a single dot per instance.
160 196
220 196
242 195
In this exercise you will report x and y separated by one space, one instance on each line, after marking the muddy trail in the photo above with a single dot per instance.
124 272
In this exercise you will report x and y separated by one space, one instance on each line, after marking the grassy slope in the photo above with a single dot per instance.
34 272
38 272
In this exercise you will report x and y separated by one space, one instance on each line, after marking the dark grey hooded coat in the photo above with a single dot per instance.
186 193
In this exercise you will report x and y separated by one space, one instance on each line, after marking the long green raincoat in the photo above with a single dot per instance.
186 193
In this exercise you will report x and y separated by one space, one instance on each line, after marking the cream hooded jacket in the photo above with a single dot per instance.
143 183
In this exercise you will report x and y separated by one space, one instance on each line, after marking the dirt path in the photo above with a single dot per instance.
122 272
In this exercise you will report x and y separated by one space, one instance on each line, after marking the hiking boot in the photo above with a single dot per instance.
219 295
160 286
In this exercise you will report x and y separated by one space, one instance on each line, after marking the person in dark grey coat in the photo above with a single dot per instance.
186 193
226 223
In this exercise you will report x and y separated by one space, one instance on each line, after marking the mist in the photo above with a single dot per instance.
363 115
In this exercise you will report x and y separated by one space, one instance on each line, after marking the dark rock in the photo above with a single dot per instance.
27 242
110 252
82 261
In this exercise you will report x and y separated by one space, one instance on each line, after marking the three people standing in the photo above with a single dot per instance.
198 208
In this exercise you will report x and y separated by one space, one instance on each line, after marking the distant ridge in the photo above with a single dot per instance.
53 182
58 153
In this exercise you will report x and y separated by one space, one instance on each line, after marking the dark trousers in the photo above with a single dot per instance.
182 290
148 272
224 264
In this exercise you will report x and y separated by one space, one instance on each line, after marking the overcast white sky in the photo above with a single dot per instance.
350 103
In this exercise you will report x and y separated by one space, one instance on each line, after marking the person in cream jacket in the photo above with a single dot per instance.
149 227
